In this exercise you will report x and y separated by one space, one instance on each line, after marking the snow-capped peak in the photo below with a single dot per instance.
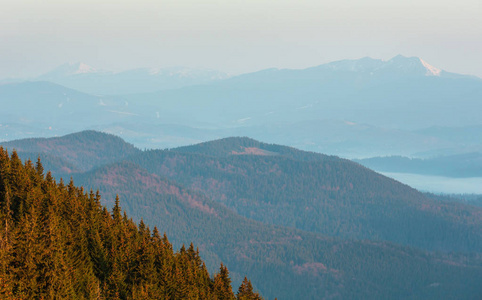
431 70
84 68
69 69
411 65
396 65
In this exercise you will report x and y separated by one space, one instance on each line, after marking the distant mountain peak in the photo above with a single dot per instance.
70 69
431 70
82 68
397 65
413 65
354 65
73 68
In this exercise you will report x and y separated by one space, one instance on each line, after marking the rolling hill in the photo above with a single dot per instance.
80 151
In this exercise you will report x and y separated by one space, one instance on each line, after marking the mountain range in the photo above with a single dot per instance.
82 77
397 94
299 224
88 79
354 108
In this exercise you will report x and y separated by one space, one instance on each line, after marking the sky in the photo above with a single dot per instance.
235 36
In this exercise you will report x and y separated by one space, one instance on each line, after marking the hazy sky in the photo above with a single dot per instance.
236 36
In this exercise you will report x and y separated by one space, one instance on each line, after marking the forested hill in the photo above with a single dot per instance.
58 242
318 193
80 151
246 146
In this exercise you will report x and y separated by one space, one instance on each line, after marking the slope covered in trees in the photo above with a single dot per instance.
284 262
246 146
58 242
81 151
318 193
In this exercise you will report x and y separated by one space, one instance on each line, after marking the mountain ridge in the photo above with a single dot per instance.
290 96
81 76
243 104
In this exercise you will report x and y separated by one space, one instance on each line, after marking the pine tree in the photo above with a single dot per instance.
39 168
116 211
245 291
222 285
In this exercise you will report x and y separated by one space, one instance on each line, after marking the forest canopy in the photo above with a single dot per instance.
58 242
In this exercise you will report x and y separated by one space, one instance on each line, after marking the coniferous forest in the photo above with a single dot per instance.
356 235
58 242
